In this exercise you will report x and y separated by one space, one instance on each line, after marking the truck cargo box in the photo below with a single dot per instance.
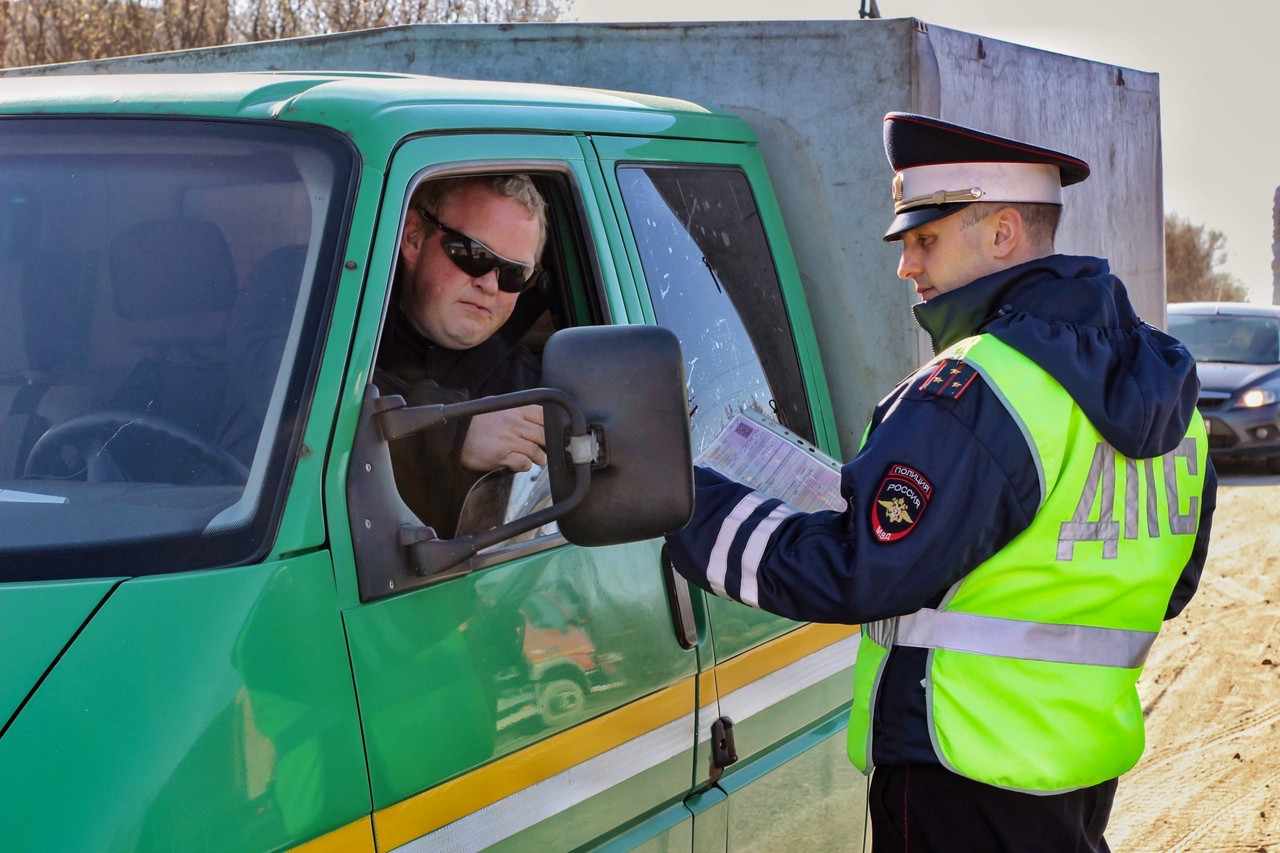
815 93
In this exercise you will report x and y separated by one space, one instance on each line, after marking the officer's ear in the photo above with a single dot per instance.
1008 233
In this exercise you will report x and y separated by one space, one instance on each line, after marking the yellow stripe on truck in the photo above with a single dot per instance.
355 837
446 803
772 656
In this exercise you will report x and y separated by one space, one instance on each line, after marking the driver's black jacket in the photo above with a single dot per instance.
428 466
1137 385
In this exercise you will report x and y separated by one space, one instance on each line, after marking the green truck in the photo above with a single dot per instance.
223 629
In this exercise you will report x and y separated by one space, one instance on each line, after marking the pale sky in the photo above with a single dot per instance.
1217 63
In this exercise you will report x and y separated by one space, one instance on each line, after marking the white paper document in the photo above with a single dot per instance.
775 461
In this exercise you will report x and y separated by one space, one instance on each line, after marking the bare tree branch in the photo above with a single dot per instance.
1192 260
40 32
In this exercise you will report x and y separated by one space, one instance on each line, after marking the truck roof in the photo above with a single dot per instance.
375 109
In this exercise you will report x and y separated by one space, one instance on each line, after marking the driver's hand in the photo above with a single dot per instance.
512 438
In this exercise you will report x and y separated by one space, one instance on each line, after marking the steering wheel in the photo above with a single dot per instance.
123 446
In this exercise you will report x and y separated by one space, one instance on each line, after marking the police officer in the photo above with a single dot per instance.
1023 513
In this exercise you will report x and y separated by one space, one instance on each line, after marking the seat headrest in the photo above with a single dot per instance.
265 306
168 267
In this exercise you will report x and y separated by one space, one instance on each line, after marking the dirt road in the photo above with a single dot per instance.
1210 778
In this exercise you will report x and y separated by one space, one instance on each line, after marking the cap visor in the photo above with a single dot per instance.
904 222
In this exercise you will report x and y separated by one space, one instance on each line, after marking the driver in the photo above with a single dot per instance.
470 246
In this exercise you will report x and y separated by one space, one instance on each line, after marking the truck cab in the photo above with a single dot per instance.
225 630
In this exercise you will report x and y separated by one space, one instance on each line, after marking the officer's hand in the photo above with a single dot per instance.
512 438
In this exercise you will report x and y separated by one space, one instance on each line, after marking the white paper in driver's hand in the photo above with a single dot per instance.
775 461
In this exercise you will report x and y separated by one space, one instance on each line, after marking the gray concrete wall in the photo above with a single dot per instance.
815 92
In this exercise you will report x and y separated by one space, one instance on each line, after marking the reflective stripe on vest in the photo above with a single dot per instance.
1014 638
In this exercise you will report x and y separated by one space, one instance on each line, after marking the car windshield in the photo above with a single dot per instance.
1228 337
162 282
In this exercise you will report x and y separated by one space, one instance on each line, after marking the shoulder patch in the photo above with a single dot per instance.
899 502
951 379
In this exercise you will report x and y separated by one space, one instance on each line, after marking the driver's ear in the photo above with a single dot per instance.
415 231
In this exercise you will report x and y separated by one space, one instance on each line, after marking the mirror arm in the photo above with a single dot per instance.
432 556
397 420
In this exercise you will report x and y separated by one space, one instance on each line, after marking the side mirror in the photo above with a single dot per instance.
629 382
618 457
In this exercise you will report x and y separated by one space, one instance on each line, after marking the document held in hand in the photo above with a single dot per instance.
775 461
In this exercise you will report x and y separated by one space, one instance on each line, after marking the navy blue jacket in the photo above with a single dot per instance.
1137 386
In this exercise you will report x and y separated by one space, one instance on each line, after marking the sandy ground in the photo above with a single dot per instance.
1210 778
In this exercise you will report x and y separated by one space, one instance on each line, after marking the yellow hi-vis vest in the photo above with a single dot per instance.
1034 656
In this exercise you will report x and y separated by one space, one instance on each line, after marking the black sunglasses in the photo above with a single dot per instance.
476 259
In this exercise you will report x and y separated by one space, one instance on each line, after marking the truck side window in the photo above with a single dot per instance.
465 322
459 281
713 282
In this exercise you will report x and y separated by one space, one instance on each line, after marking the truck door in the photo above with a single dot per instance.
703 233
539 701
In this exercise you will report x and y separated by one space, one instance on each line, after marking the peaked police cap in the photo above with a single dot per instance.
940 168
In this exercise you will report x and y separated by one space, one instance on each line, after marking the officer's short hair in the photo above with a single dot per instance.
1039 221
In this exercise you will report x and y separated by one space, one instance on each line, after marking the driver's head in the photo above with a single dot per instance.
465 244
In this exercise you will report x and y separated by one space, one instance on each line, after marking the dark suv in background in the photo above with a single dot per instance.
1237 350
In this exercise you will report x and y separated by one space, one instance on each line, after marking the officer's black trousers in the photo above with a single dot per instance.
928 809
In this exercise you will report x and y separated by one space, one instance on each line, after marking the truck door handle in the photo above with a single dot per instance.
679 603
723 750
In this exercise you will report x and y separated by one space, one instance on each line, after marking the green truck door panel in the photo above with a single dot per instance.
513 683
200 711
700 219
806 795
541 702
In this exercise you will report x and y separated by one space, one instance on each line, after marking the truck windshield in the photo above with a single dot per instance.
162 284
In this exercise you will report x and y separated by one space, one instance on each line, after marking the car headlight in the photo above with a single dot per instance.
1255 397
